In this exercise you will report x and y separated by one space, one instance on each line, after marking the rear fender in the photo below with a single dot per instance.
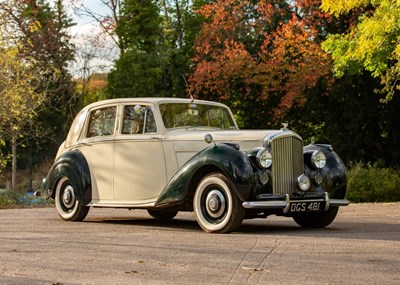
74 166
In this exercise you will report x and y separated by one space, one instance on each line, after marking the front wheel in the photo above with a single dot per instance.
217 207
68 207
316 220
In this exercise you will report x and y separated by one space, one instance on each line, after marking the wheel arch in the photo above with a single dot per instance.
334 173
74 166
199 175
220 158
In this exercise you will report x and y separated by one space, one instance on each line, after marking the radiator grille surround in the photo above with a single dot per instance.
287 161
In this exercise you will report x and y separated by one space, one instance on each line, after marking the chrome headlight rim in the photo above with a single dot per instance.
318 159
264 158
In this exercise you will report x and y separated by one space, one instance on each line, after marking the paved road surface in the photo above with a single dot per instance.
128 247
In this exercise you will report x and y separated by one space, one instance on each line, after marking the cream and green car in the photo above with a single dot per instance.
166 155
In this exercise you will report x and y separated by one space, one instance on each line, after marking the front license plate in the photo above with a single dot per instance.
298 207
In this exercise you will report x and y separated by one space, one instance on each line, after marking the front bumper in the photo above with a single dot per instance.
286 203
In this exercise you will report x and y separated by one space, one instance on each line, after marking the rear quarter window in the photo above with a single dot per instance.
101 122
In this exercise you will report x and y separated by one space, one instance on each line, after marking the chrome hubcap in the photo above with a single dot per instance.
215 204
68 196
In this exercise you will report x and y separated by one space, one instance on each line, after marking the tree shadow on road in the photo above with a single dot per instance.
287 227
371 231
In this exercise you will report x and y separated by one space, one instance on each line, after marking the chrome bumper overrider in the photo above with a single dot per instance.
285 204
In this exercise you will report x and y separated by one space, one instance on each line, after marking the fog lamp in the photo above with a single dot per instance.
318 178
264 178
303 183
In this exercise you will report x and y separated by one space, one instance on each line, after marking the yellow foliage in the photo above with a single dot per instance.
19 98
337 7
397 49
373 44
35 26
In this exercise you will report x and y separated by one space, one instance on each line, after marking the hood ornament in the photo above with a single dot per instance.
285 126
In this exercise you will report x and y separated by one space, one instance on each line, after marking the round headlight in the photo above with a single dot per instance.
318 159
303 182
264 158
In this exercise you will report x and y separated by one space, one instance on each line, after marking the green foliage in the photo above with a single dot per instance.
367 183
139 25
353 119
12 199
157 38
135 75
373 44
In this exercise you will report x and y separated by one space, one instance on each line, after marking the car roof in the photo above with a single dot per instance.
150 100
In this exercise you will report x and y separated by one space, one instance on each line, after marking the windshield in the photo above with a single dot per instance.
177 115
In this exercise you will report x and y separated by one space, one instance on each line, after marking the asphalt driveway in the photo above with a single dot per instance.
113 246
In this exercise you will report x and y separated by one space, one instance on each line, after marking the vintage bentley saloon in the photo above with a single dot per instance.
166 155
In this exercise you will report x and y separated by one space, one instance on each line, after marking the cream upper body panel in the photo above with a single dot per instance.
188 142
132 168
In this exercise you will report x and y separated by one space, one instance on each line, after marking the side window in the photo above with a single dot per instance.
101 122
138 119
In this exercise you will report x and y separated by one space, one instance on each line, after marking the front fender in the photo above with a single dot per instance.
74 166
222 158
334 173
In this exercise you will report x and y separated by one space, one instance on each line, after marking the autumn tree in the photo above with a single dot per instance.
92 88
20 102
372 44
262 52
39 30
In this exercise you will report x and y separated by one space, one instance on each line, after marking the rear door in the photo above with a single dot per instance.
98 148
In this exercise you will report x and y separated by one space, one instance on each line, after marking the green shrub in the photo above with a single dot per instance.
367 183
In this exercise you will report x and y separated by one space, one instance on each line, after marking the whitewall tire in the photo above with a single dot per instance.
68 207
217 207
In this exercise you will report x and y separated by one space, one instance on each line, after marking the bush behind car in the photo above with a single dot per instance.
12 199
367 183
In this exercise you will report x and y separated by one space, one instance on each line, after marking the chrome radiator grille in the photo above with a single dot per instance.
287 163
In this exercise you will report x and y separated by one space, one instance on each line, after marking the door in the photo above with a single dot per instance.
98 148
139 166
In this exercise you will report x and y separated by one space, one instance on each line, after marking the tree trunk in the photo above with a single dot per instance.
14 164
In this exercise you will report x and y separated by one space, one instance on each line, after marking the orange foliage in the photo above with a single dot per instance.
96 84
286 62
